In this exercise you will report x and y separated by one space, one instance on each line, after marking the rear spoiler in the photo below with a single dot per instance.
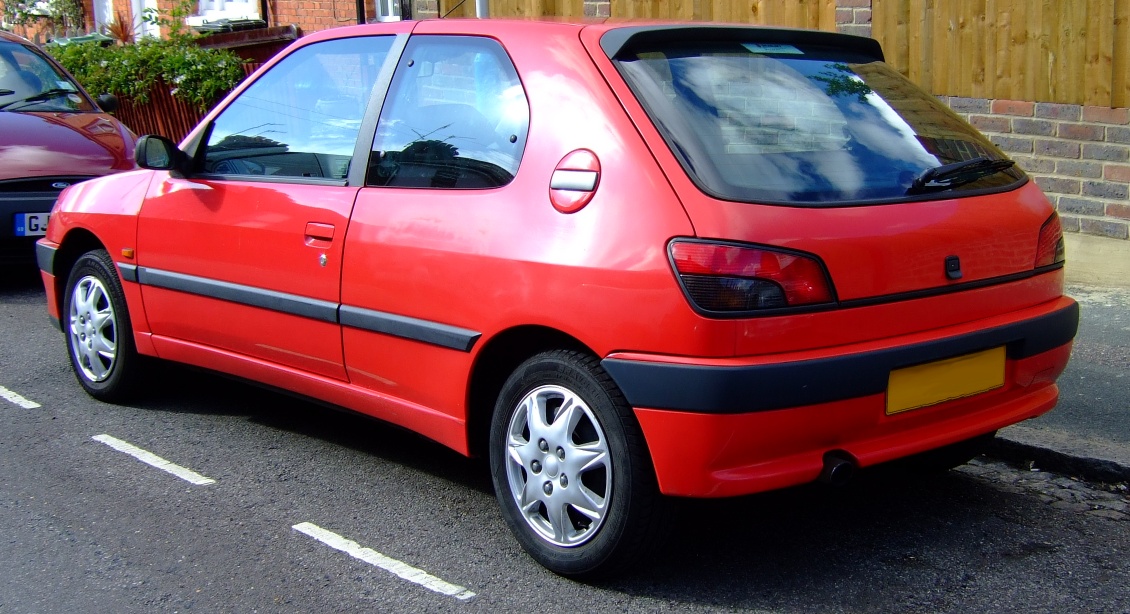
615 41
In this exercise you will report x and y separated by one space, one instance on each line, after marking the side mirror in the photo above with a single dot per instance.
160 154
108 102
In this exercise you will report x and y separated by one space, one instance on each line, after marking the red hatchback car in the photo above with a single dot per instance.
624 261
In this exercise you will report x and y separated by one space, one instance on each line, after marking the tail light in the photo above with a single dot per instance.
1049 249
718 277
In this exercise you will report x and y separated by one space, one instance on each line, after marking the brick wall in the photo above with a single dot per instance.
315 15
854 17
1078 155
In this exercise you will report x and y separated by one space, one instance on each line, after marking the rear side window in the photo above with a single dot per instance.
787 124
456 117
301 118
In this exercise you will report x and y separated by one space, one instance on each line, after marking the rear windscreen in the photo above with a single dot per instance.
778 123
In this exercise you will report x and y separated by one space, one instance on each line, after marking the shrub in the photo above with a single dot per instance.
193 74
64 15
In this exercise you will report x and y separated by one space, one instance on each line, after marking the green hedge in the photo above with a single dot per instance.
193 74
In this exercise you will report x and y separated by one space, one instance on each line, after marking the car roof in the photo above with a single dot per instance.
8 36
615 34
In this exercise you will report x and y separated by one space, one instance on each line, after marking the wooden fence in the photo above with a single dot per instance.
788 13
1069 51
1075 51
164 114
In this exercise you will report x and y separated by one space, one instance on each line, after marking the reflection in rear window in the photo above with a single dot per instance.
780 123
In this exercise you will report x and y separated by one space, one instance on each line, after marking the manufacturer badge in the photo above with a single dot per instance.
59 185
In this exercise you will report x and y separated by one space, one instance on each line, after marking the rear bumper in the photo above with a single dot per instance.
722 428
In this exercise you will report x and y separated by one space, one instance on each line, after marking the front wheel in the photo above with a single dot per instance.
570 467
97 325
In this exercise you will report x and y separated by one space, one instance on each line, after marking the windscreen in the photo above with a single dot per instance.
777 123
28 82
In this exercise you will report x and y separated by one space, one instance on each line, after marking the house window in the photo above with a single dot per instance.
214 10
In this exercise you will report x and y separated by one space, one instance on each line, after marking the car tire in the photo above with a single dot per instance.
97 325
571 469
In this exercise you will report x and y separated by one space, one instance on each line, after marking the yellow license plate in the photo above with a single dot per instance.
945 380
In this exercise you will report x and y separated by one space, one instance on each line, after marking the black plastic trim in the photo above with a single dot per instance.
45 258
56 322
837 304
246 295
733 390
359 166
434 333
949 289
287 179
615 41
128 272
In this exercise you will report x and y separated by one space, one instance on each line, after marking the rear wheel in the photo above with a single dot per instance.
97 325
570 467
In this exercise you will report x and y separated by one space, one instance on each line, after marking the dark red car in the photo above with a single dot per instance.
624 261
52 135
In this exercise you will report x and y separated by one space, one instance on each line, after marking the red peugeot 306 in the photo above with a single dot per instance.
625 262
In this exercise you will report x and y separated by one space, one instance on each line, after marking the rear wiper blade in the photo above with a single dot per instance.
950 176
40 97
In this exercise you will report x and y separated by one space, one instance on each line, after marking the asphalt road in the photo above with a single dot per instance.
1094 400
86 527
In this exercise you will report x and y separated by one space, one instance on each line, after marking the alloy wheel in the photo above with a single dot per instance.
93 329
558 465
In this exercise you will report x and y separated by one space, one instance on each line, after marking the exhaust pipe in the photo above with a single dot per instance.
838 469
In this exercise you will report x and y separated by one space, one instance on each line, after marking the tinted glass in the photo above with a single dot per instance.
778 123
29 82
301 118
456 117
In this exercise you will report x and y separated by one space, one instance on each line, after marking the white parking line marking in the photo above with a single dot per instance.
372 557
152 459
17 399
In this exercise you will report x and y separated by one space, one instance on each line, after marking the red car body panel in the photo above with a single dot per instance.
433 424
704 455
263 235
482 259
479 265
106 209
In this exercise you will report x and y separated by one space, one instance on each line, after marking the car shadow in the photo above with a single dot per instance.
181 389
886 542
20 281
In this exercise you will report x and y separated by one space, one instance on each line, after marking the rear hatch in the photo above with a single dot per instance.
808 145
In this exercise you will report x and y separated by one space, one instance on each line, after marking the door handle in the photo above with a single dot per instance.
319 235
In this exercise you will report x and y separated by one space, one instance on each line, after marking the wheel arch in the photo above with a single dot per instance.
77 242
498 358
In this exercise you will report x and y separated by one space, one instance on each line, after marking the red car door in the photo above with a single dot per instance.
245 254
450 137
249 267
